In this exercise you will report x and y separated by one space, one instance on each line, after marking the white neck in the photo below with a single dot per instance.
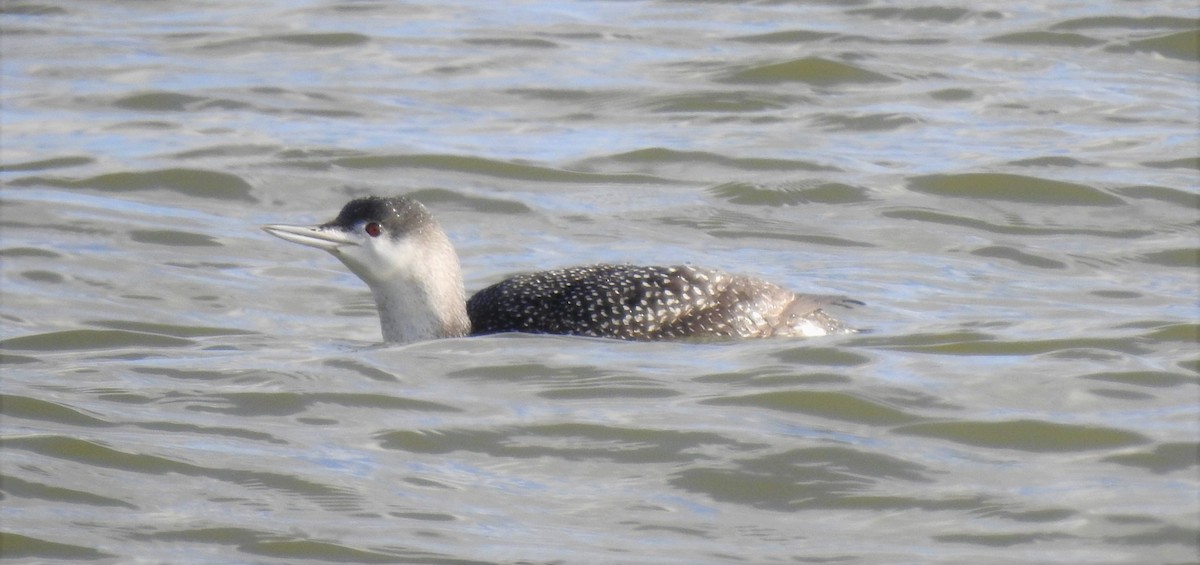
418 287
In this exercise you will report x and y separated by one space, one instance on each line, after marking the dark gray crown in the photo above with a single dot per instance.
398 215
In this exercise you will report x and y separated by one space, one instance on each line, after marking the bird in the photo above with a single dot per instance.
399 250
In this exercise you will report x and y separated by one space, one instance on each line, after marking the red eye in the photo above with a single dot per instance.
373 229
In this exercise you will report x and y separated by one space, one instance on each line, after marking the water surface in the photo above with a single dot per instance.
1012 190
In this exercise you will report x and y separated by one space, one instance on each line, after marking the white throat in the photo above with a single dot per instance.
417 284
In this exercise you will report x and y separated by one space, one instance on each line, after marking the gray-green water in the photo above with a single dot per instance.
1011 188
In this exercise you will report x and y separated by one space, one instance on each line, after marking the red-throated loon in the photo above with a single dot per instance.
400 251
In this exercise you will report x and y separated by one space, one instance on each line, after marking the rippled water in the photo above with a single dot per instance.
1012 190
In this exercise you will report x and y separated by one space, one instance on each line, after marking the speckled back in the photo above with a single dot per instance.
647 303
